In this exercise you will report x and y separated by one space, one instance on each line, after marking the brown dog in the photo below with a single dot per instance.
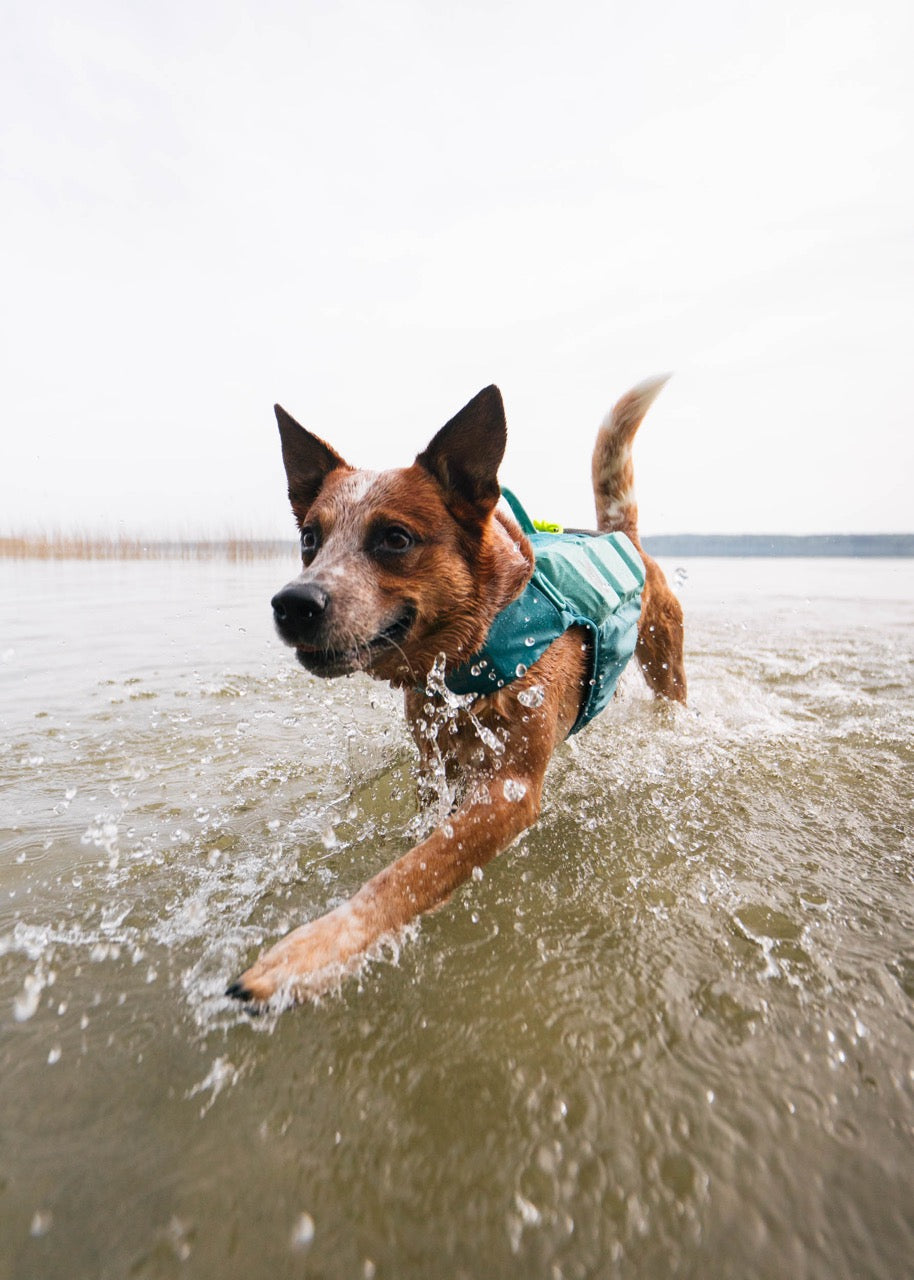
403 573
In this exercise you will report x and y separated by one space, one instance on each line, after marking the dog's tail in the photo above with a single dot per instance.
613 474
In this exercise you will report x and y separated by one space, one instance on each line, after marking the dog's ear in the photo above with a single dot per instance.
307 459
465 455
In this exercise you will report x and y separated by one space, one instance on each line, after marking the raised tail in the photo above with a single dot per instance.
613 474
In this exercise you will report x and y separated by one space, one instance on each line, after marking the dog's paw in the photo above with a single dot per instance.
305 962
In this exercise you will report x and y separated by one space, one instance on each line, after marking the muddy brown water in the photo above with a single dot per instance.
668 1034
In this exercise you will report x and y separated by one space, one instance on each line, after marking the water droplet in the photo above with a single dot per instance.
41 1223
26 1003
535 696
54 1055
477 873
303 1231
529 641
515 789
520 671
529 1213
177 1233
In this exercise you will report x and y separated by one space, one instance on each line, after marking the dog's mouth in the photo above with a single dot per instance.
361 656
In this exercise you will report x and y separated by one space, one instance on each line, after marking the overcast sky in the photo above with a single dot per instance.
368 211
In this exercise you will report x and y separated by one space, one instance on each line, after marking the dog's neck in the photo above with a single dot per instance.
513 562
503 563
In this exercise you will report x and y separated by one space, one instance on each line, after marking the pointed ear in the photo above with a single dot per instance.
307 459
464 456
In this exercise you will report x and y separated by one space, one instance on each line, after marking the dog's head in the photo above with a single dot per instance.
399 566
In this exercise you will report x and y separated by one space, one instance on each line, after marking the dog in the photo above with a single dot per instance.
403 574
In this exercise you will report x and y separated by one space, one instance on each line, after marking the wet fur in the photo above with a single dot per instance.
400 567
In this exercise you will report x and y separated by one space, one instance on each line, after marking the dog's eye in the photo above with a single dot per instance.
395 538
308 540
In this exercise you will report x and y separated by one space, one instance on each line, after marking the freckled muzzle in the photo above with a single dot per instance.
304 618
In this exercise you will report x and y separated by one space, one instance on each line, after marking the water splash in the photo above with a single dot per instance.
26 1002
221 1075
444 713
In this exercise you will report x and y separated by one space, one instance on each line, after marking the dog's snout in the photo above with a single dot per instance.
299 604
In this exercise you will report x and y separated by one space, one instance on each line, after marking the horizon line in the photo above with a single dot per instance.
88 546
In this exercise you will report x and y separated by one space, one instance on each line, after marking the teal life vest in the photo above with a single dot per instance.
579 580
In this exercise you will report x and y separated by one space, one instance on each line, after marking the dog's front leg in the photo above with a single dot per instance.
497 812
501 803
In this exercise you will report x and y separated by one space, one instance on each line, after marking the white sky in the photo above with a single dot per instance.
368 211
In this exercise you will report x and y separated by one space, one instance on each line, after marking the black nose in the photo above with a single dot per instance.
299 606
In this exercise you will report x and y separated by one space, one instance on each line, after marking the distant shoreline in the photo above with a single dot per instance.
795 546
64 546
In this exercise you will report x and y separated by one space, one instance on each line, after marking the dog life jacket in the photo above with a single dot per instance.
579 580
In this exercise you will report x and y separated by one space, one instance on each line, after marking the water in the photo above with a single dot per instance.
668 1034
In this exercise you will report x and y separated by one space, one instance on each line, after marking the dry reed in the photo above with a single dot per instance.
90 546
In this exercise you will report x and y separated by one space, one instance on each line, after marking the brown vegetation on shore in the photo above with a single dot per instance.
89 546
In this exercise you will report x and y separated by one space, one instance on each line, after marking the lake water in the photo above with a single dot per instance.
671 1033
